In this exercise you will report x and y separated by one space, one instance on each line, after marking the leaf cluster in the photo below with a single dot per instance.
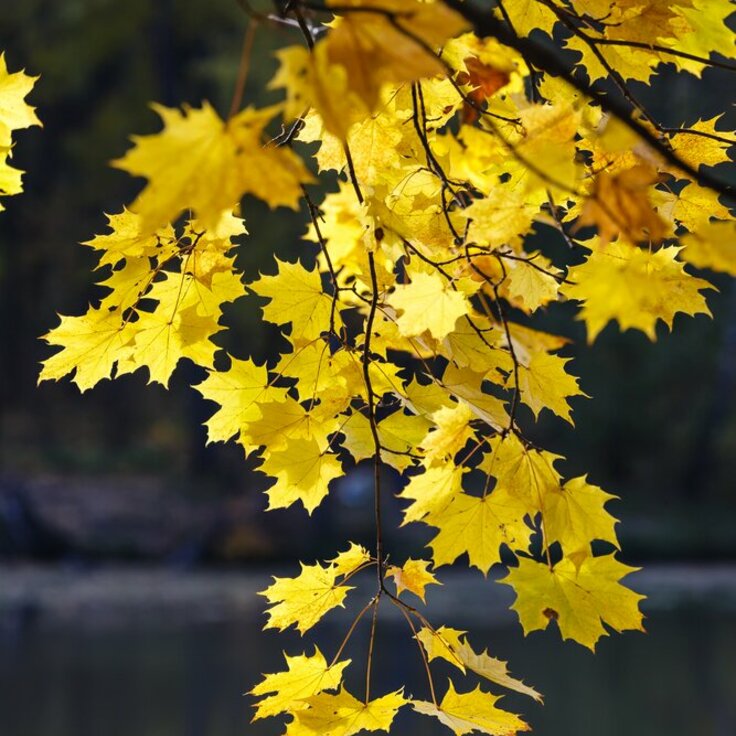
453 141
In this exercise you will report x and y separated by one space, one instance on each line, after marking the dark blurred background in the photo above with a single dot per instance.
116 522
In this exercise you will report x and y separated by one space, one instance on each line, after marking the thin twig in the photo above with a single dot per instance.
243 66
347 636
371 645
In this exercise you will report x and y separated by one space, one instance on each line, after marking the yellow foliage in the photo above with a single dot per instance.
461 178
473 711
195 148
305 676
302 601
452 646
413 576
341 714
580 598
479 527
635 287
15 114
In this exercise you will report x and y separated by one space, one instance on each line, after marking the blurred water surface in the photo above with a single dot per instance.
168 675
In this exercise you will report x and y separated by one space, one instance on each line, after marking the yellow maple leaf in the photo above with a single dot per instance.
237 391
697 150
344 74
305 676
635 287
473 711
373 51
450 433
574 515
630 63
166 292
197 147
431 491
424 399
91 345
316 369
15 114
467 386
530 283
453 646
503 216
341 714
127 240
305 599
428 303
478 346
279 422
693 207
442 643
527 15
619 206
163 337
713 246
351 559
303 472
296 297
526 473
413 576
545 384
285 420
478 526
399 434
580 598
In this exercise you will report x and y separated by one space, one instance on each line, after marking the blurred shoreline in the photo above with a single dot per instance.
111 595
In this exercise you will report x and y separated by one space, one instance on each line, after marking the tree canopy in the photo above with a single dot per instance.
465 146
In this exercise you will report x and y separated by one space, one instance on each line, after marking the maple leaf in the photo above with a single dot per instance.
351 559
343 75
296 297
237 391
713 246
479 526
341 714
484 80
166 292
528 14
91 345
580 598
619 205
635 287
428 303
195 148
477 344
474 711
467 386
305 676
432 491
529 284
527 473
305 599
545 384
574 515
399 434
282 421
450 433
452 646
413 576
303 471
161 340
707 149
15 114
